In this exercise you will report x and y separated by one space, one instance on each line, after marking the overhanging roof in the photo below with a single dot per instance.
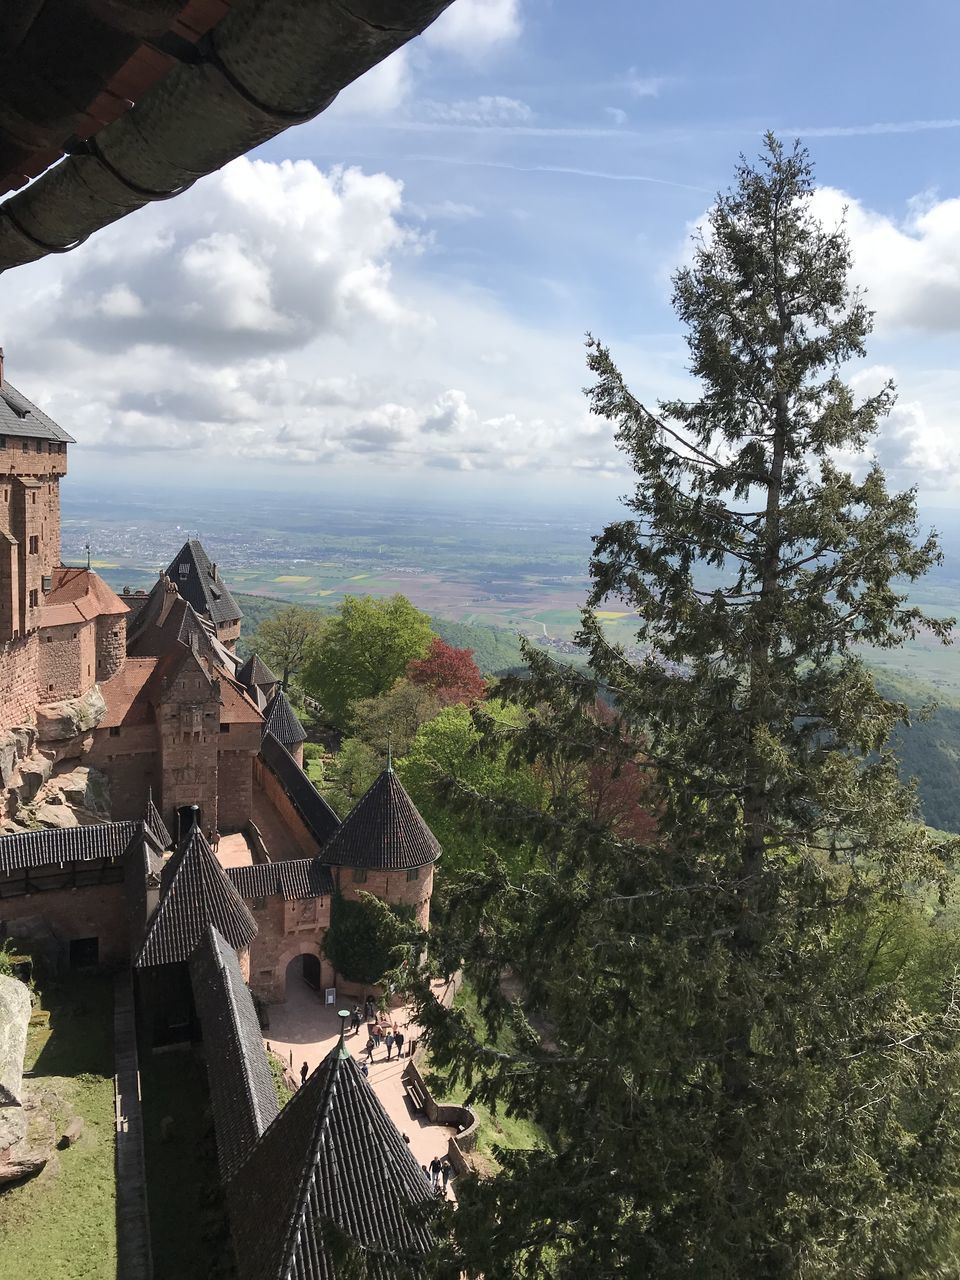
204 83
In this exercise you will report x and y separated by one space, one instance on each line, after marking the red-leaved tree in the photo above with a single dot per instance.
451 673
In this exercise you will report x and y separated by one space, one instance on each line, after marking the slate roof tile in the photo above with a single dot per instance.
256 672
242 1095
20 417
192 573
194 893
291 879
331 1166
67 844
383 831
281 720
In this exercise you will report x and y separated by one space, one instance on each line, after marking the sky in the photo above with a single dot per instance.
393 297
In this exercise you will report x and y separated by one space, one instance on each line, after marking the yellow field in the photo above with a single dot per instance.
293 577
324 591
357 576
611 615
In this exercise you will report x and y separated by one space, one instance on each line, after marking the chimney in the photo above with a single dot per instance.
1 364
213 571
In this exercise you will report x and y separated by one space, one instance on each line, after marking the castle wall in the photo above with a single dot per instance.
66 659
302 843
286 930
111 645
21 456
235 780
93 912
228 633
18 682
189 721
392 887
130 758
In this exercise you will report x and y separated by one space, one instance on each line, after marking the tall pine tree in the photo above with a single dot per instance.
715 1034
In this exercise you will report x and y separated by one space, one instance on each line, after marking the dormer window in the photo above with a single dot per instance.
184 571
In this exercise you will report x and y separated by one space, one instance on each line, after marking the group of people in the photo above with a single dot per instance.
388 1034
439 1172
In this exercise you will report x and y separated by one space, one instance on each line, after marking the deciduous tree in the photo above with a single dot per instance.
283 639
732 1086
450 673
363 649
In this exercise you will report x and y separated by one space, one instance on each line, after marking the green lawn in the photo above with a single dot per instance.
188 1225
62 1223
495 1129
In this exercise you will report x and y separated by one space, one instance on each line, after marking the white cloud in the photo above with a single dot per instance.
616 114
382 89
278 314
640 86
471 27
911 266
487 109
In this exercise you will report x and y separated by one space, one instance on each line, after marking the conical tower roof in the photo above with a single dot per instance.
331 1171
194 893
255 673
383 831
280 719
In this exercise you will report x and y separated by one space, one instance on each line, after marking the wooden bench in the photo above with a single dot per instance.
417 1100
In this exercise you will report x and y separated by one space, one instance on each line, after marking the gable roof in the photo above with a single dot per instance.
242 1095
319 818
332 1165
280 719
194 893
195 577
55 845
256 672
383 831
290 879
20 417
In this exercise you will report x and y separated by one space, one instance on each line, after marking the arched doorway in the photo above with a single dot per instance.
302 968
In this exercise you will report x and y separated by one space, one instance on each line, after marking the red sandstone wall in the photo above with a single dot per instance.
77 913
235 780
65 661
130 759
392 887
190 737
111 645
18 682
302 844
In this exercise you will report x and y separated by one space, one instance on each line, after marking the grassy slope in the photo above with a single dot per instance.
62 1223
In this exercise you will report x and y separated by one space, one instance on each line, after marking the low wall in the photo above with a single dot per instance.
449 1113
258 850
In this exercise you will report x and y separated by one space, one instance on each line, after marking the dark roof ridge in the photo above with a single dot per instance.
255 671
281 720
318 816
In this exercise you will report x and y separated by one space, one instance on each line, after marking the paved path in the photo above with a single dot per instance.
307 1029
134 1261
234 851
277 839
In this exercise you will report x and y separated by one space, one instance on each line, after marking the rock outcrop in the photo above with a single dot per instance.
14 1020
71 718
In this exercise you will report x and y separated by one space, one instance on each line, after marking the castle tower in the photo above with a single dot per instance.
33 457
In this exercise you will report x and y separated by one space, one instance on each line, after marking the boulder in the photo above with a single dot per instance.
34 772
70 749
51 814
82 788
8 758
30 1152
14 1020
70 718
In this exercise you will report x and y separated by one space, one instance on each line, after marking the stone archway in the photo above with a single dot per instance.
287 970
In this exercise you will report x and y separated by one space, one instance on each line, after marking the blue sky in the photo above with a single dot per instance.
406 303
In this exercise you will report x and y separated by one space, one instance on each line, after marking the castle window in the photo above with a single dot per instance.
33 498
224 728
49 688
359 875
3 442
26 445
49 639
39 446
34 544
413 873
34 599
114 731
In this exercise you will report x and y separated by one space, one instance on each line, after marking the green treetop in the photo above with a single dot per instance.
731 1084
362 650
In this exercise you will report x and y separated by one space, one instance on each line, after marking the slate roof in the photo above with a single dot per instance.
383 831
194 893
242 1096
67 844
331 1166
156 824
290 879
280 719
198 585
319 818
20 417
256 672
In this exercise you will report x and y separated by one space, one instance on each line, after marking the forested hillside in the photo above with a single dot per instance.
929 750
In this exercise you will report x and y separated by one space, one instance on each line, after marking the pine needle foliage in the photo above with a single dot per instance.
732 1083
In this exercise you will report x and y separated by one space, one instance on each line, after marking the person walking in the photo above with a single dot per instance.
398 1041
388 1041
356 1019
446 1169
377 1034
365 1070
435 1168
304 1072
371 1045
